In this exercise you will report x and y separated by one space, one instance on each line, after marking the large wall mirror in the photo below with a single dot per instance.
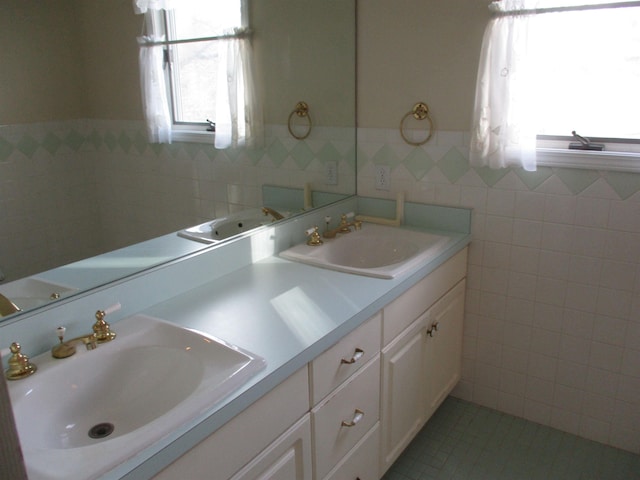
85 199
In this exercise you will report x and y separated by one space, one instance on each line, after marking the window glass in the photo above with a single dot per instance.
589 72
207 18
194 66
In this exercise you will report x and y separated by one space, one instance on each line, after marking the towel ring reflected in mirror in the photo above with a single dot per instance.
301 110
420 112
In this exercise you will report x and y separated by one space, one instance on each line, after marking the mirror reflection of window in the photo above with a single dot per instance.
195 66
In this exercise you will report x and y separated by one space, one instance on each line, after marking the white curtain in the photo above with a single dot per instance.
503 132
155 104
142 6
238 113
238 109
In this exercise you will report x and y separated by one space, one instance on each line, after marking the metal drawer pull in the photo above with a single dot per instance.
433 328
356 356
357 416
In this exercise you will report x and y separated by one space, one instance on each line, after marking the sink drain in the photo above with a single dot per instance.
101 430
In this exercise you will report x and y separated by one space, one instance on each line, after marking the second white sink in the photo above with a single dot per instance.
375 250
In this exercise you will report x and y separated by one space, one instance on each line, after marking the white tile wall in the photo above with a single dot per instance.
552 323
100 186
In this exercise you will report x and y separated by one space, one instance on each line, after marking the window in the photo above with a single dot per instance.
195 62
566 66
196 72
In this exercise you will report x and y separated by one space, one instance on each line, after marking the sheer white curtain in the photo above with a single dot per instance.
238 110
503 131
155 103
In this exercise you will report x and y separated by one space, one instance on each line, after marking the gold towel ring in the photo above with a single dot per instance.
420 112
301 110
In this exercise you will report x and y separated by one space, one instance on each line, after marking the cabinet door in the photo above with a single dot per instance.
444 346
287 458
228 449
403 390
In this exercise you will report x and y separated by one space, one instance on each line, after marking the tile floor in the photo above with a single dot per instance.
470 442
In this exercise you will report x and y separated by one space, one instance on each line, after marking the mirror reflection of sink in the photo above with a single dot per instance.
375 250
224 227
32 292
81 416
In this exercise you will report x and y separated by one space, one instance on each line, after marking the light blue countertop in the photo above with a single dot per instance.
286 312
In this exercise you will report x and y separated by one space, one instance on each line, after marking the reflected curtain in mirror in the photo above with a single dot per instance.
208 68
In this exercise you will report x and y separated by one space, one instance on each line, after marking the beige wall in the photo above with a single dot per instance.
68 59
40 76
108 29
304 51
417 50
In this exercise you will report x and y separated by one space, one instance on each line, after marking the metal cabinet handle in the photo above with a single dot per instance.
357 416
432 328
356 356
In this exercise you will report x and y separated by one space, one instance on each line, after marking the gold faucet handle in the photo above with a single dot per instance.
314 237
19 364
102 329
62 350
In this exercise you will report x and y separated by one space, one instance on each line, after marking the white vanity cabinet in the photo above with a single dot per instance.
352 410
270 439
421 355
287 458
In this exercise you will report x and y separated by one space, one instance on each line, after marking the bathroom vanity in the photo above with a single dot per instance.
354 365
362 399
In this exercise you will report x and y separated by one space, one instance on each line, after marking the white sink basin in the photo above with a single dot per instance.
374 250
151 379
32 292
225 227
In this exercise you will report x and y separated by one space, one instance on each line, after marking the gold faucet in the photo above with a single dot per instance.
343 227
19 364
273 213
7 307
101 334
68 348
314 237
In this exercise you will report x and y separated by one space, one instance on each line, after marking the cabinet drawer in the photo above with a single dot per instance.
399 314
361 462
336 424
335 365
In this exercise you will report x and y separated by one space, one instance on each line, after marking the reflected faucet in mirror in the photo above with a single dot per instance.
270 211
7 307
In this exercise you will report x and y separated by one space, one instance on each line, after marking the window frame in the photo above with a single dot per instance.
190 131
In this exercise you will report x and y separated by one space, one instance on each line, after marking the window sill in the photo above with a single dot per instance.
193 136
614 161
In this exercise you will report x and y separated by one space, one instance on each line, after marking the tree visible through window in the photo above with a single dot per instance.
195 66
